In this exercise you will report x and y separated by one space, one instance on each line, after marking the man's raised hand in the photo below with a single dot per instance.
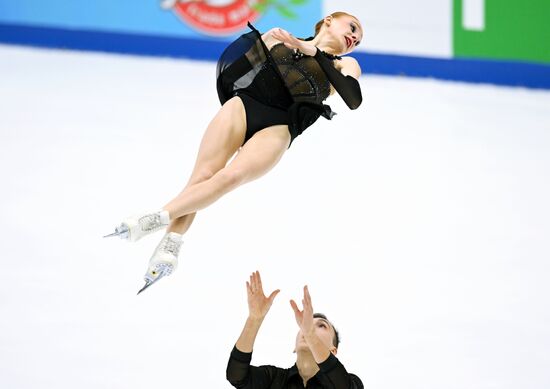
304 318
258 303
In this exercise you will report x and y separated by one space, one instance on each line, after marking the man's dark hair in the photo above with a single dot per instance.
336 338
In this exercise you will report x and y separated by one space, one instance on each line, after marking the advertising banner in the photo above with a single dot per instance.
214 19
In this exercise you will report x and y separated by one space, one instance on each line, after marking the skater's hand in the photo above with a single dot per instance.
258 303
304 318
292 42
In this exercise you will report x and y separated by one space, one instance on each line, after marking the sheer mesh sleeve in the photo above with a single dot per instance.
346 86
242 375
337 376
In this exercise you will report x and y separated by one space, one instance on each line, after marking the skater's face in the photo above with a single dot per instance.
348 31
324 331
344 32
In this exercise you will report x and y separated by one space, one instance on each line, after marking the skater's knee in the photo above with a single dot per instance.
202 175
231 177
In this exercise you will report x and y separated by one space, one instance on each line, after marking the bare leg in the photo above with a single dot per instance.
256 157
181 224
221 140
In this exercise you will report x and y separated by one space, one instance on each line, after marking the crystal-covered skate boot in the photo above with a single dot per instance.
136 227
164 260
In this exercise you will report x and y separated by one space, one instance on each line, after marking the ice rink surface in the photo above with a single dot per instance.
420 222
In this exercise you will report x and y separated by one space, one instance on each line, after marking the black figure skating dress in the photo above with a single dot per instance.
281 86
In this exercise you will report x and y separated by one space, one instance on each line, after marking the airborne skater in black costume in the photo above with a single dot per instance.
271 87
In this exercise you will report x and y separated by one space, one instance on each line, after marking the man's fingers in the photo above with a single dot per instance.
251 283
259 280
294 307
258 277
254 281
307 296
273 295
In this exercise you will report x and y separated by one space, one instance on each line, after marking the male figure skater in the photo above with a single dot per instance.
316 346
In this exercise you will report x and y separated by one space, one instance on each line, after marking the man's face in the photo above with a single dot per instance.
324 331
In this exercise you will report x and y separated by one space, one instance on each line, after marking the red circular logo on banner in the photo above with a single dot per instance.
216 17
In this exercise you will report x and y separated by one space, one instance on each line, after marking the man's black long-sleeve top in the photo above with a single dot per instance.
331 375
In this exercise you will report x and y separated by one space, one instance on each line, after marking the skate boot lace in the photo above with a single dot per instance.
150 222
170 245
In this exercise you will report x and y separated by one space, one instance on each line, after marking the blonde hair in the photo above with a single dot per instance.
337 14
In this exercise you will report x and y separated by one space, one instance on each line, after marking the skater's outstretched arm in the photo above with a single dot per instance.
239 371
258 306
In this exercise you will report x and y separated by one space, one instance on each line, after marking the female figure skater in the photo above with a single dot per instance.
271 87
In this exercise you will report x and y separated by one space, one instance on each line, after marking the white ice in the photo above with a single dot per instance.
420 223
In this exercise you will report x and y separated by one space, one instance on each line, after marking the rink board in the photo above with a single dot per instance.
512 73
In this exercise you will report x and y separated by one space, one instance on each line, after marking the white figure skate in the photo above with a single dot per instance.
164 260
136 227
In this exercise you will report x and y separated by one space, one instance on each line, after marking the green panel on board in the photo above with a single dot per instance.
513 30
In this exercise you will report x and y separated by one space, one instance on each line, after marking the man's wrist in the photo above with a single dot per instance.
253 319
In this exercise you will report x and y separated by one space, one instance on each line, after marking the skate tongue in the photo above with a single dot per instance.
149 282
